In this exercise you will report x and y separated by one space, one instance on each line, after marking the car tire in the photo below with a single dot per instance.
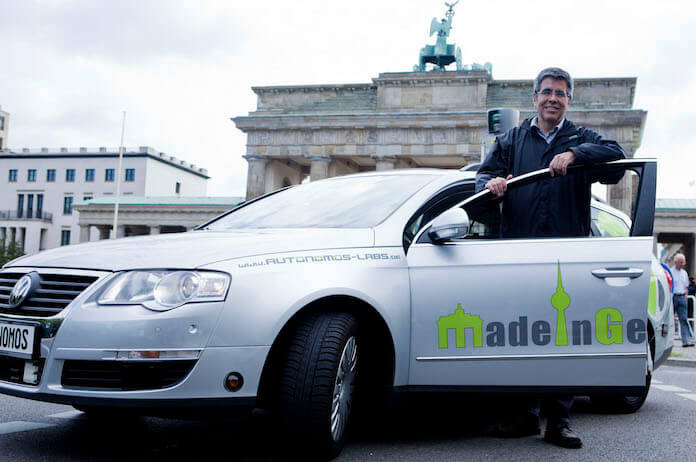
317 382
626 404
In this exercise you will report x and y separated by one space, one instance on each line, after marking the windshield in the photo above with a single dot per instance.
350 202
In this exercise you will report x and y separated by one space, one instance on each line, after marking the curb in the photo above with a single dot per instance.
680 362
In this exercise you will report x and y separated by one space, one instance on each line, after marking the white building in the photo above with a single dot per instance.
139 215
4 124
39 186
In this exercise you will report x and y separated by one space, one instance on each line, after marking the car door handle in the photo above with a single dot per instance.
604 273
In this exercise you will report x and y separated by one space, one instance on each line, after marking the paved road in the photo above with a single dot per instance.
663 429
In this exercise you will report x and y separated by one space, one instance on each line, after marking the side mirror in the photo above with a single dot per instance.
453 224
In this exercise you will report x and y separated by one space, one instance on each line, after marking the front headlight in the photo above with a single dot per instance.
163 290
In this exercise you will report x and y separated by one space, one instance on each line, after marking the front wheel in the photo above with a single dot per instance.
317 382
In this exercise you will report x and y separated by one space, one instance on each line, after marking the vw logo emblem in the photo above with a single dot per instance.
20 291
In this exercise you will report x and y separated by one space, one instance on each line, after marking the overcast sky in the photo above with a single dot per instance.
182 69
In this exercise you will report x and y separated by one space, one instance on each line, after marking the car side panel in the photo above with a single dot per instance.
266 291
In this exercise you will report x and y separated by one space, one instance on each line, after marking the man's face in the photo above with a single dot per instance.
551 106
679 263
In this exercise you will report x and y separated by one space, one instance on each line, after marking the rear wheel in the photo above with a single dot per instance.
626 404
317 383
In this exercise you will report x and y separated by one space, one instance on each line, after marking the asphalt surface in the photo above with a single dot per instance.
429 430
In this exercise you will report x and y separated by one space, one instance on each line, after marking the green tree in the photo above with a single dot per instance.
9 252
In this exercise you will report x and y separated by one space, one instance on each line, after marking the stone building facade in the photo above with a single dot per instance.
143 215
38 188
410 119
4 128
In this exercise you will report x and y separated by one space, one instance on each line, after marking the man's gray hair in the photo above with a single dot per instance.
679 256
555 73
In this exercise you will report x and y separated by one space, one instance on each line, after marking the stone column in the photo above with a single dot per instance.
154 229
620 195
319 167
256 176
120 231
84 233
384 163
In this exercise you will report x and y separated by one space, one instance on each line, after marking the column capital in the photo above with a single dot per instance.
384 157
255 158
318 157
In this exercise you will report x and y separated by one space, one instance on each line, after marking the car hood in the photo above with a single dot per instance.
193 249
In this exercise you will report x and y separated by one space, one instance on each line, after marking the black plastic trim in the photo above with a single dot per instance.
186 403
574 390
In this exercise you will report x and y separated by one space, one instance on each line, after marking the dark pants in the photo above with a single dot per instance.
521 407
556 408
681 308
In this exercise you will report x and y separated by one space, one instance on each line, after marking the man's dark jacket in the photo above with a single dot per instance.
557 206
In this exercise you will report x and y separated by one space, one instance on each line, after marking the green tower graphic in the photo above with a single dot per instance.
460 321
561 301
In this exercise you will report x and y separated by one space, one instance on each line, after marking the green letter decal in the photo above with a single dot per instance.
459 321
608 326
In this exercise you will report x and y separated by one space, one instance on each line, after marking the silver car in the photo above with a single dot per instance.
304 299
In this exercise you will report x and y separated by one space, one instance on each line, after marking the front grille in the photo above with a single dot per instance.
12 369
55 293
126 376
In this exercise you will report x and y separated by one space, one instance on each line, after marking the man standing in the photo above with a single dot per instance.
553 208
680 281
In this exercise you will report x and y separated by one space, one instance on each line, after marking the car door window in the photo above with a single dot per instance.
484 209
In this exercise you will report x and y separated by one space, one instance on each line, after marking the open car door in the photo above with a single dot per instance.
560 314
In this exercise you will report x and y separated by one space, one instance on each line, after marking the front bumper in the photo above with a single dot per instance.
83 359
202 387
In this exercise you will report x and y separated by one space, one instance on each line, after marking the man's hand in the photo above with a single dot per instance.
498 185
560 162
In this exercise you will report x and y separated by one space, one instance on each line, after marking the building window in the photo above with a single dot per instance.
89 174
30 206
67 205
87 198
2 123
31 175
130 174
65 237
70 175
109 175
51 175
177 188
20 205
39 205
13 175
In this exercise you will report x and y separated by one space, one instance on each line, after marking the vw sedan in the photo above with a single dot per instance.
310 298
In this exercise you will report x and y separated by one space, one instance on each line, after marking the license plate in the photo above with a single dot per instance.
17 338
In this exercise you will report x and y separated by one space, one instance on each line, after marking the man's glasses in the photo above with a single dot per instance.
558 93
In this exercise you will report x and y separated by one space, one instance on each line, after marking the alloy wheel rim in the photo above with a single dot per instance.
343 388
